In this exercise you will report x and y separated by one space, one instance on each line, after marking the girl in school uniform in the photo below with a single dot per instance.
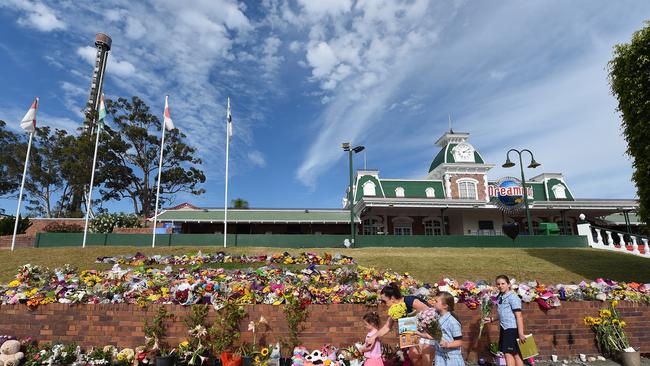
510 320
448 350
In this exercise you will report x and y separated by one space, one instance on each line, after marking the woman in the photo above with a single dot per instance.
511 321
391 295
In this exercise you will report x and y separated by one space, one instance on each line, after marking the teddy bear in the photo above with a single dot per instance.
10 354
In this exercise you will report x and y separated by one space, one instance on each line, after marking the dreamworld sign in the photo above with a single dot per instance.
508 194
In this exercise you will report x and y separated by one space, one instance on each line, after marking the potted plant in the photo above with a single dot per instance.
224 332
246 351
155 333
295 313
610 335
499 357
194 351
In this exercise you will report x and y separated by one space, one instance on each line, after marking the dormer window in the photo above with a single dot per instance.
399 192
430 192
369 189
559 191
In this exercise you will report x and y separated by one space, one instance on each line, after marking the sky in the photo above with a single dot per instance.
305 76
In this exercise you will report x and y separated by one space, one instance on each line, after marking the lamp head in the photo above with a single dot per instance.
359 149
508 163
345 146
534 164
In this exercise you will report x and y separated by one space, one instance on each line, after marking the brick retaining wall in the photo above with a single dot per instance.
557 331
22 241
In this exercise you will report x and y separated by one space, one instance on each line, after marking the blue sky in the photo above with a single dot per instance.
305 76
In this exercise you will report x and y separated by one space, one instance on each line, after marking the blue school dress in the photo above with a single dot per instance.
451 331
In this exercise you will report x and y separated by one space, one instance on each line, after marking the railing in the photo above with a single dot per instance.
619 241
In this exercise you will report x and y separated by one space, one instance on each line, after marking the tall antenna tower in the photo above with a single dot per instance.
103 44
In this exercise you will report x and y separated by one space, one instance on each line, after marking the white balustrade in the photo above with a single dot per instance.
610 238
635 245
600 237
646 249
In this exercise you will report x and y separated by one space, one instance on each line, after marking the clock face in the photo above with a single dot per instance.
464 153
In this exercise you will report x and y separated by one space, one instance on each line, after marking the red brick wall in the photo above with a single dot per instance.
39 224
480 186
22 241
122 324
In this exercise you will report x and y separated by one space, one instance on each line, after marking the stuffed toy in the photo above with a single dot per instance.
274 359
299 354
10 354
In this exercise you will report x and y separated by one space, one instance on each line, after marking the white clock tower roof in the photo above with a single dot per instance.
452 137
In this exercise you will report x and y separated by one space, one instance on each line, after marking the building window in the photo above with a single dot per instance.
432 227
372 225
467 189
559 191
486 227
402 226
399 192
430 192
369 189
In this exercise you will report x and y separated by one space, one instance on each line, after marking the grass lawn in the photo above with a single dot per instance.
428 264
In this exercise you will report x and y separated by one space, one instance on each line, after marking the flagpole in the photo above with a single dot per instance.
20 195
92 128
90 190
155 210
225 203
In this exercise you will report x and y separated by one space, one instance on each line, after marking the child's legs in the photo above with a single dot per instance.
414 355
426 355
518 360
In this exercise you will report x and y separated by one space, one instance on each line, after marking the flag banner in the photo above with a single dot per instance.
28 123
229 122
102 112
169 125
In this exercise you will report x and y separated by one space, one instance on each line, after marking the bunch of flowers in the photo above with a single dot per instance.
428 322
486 309
397 311
608 327
307 258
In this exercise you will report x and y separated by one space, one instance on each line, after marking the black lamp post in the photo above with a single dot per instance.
533 164
357 149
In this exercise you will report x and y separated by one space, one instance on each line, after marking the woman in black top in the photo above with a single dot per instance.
391 295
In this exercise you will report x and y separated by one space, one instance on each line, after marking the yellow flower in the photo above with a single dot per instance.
184 344
257 359
589 321
121 357
615 322
598 321
615 303
14 283
397 311
623 324
265 352
605 313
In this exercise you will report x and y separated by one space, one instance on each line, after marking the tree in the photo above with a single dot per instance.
239 203
629 76
11 165
44 176
131 153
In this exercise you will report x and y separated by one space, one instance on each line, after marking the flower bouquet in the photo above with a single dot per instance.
397 311
428 323
486 308
610 336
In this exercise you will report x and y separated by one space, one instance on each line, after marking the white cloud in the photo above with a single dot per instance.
329 7
321 58
116 66
294 46
257 158
36 15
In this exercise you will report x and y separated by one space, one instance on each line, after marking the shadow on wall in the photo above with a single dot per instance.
601 264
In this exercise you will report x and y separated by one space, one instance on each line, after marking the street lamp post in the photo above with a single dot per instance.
533 164
346 147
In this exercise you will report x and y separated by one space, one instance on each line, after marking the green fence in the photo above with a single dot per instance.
44 240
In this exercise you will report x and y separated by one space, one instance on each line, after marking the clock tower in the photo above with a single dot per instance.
460 167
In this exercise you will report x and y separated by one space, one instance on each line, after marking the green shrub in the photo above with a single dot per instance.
58 227
105 223
7 225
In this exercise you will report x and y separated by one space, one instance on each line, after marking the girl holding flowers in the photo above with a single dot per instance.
511 321
398 307
449 337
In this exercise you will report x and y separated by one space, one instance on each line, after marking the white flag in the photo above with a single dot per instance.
169 125
229 122
28 122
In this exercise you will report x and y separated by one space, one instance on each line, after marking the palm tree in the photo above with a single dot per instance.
239 203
